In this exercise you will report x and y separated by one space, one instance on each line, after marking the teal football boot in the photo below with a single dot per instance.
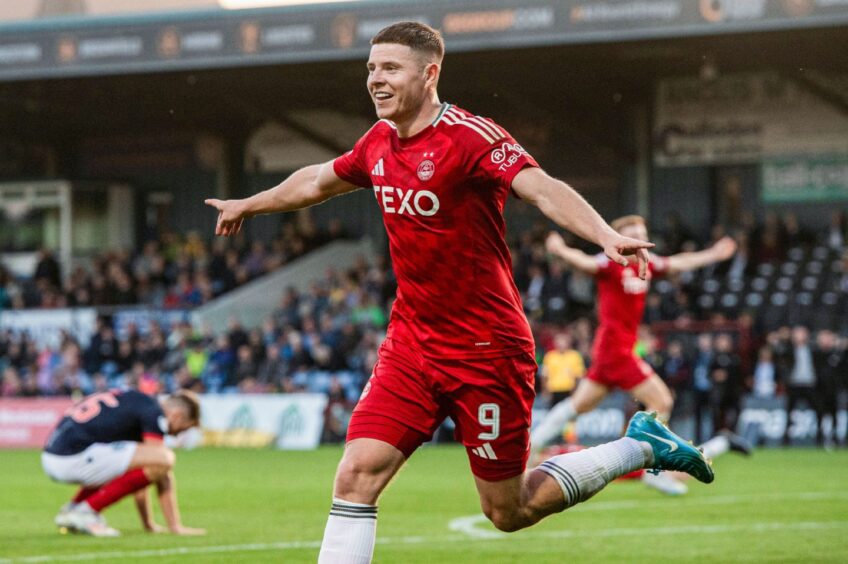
670 451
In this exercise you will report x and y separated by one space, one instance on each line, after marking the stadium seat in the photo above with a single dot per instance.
784 284
789 268
706 302
820 253
766 269
795 254
735 285
711 285
759 284
754 300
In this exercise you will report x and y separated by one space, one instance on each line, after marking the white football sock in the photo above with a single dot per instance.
552 425
349 534
715 447
584 473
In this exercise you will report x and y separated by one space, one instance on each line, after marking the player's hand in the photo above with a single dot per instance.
617 247
725 248
188 531
554 242
230 216
154 528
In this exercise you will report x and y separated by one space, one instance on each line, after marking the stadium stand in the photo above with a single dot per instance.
324 338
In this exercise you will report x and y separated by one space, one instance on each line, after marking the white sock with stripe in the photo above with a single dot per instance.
350 533
715 447
584 473
552 425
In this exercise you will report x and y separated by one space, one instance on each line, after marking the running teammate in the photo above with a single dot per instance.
621 303
110 443
458 343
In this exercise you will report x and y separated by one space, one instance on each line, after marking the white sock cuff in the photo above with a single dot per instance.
351 503
567 482
342 508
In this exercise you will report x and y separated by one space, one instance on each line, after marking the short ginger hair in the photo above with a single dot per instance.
627 221
417 36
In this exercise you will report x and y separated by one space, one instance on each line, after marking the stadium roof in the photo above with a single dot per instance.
197 38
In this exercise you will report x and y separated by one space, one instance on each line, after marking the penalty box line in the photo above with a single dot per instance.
759 527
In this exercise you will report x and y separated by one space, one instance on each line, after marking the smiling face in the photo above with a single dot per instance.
399 81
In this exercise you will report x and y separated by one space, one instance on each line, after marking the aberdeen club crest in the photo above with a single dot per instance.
426 170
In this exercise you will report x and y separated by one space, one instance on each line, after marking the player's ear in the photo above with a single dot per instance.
431 74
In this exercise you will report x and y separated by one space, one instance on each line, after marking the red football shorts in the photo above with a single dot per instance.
621 370
490 400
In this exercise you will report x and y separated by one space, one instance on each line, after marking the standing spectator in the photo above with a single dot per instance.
834 234
555 292
272 370
102 352
48 269
726 384
676 370
337 413
829 366
765 378
793 232
10 386
781 346
221 368
69 378
801 384
562 366
244 372
5 288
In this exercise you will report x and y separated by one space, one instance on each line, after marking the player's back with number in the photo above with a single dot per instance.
107 417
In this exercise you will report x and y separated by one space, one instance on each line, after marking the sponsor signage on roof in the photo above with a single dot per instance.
187 40
744 118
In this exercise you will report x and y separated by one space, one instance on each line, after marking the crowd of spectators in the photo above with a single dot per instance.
172 271
326 339
553 294
713 356
323 340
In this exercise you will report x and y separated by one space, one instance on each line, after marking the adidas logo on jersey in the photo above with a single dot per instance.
378 169
485 451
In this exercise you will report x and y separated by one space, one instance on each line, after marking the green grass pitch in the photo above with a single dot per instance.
270 506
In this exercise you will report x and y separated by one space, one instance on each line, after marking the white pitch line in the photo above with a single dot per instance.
592 533
711 500
468 524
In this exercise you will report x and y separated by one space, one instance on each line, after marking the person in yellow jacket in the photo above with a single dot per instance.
561 368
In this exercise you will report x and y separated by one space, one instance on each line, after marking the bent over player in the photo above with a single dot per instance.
111 444
458 343
621 303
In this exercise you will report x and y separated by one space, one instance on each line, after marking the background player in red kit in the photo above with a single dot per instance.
621 304
458 343
110 444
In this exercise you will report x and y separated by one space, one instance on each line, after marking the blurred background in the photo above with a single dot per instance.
709 118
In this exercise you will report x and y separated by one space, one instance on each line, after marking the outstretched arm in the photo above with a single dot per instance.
721 251
569 210
306 187
574 258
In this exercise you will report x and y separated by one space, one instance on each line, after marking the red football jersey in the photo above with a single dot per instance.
442 192
621 303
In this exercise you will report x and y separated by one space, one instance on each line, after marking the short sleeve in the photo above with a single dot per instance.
350 167
658 265
498 157
604 265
